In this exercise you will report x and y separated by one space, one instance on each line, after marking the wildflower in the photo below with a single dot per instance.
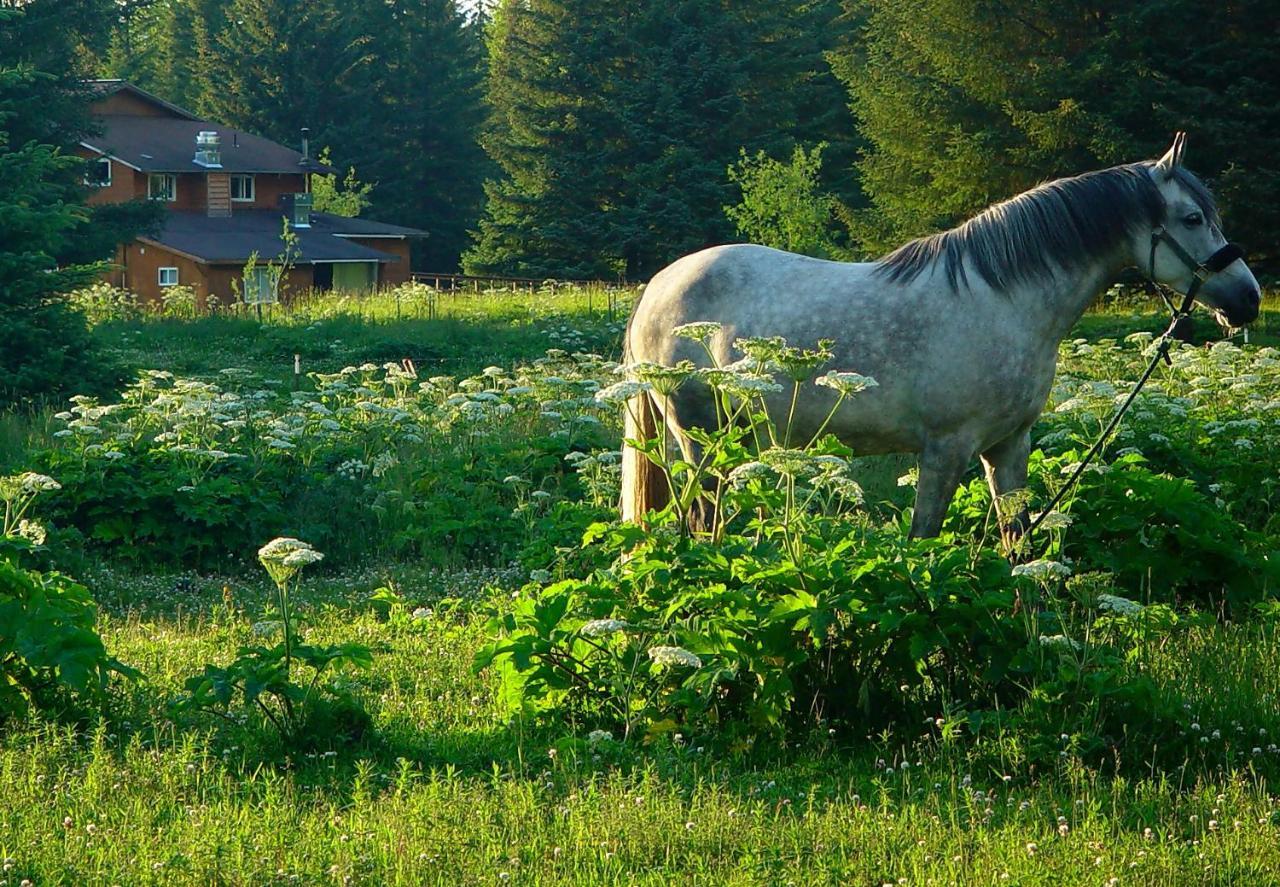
1059 642
1054 520
32 531
674 656
1042 570
1121 606
620 392
421 613
790 462
493 372
597 736
910 479
743 474
302 558
600 627
746 385
540 576
665 380
846 383
698 331
267 629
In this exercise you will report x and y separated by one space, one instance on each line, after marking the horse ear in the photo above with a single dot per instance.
1172 158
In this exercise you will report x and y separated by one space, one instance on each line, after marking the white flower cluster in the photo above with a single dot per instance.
674 656
1121 606
600 627
846 384
1042 570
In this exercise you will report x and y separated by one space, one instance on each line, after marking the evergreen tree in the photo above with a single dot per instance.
428 155
277 66
45 346
614 126
556 133
965 102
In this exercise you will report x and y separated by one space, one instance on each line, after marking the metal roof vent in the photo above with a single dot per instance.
209 149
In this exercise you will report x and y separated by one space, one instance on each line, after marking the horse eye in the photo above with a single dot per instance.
1193 220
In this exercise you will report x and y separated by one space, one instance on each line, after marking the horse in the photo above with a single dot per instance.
960 329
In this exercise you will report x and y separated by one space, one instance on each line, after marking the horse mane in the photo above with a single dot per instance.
1060 224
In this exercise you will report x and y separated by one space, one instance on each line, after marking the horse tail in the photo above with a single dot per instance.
644 485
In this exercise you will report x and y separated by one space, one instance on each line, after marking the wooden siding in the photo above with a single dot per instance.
389 273
218 195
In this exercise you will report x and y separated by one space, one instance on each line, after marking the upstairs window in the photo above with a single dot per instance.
99 173
168 277
162 186
242 189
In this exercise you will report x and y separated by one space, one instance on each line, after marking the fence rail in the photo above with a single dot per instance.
474 283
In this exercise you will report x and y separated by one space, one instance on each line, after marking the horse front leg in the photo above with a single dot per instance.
1006 469
942 464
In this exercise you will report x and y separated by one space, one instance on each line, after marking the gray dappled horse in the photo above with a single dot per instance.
960 329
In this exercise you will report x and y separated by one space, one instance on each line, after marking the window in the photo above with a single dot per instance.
99 173
242 189
162 186
259 287
168 276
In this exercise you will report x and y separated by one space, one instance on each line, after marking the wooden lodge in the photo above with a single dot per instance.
227 193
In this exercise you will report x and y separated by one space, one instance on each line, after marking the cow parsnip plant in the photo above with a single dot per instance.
51 656
286 685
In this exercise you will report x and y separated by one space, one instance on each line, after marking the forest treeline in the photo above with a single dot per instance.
589 138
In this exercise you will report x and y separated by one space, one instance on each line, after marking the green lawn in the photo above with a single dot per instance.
444 790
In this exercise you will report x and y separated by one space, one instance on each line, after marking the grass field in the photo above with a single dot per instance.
444 789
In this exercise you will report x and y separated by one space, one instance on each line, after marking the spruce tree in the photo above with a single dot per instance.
428 156
613 127
965 102
45 347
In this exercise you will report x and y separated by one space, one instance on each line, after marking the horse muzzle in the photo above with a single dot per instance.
1242 306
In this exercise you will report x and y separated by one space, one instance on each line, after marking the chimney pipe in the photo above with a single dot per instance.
306 145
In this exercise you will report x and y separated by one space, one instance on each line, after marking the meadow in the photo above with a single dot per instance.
1133 743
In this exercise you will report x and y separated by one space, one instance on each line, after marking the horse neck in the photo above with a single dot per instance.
1055 305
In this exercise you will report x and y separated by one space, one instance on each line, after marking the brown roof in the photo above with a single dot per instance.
168 144
222 241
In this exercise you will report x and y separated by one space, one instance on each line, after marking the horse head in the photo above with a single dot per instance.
1185 248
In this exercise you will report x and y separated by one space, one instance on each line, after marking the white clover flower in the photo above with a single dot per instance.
1042 570
621 392
846 383
674 656
1121 606
698 331
601 627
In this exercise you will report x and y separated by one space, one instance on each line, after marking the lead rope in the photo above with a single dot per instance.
1162 353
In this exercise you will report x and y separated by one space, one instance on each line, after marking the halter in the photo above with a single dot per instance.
1201 272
